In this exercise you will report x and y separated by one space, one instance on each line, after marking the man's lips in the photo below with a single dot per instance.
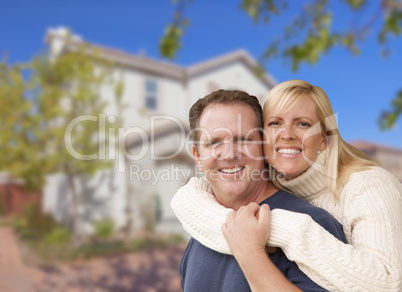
231 170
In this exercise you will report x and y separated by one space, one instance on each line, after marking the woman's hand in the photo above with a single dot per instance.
247 230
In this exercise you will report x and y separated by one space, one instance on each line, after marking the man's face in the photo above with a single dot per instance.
230 152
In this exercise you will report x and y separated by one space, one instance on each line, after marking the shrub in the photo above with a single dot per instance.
104 229
2 207
57 235
34 224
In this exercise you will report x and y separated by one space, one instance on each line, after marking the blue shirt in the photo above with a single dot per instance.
203 269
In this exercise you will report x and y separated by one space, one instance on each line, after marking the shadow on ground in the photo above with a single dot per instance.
146 271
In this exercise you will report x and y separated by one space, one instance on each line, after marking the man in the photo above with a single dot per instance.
226 127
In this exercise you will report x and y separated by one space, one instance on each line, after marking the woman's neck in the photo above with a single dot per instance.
309 183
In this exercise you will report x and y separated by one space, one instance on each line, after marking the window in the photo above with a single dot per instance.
151 94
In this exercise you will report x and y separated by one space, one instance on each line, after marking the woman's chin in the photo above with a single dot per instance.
290 174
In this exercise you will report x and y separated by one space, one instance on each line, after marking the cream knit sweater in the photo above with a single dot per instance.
370 210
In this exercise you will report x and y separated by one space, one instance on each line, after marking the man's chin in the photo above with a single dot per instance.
231 189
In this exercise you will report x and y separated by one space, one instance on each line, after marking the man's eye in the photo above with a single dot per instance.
214 143
243 141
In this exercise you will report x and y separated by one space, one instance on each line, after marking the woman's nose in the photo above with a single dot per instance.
287 132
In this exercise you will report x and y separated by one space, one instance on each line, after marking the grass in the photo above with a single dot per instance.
44 240
64 251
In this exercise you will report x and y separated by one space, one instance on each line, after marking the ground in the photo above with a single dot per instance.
145 271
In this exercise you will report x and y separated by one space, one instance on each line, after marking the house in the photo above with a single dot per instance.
388 157
157 159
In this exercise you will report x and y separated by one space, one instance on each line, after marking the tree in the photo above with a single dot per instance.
309 34
21 156
40 100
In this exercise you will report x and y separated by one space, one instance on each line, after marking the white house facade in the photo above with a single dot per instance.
157 97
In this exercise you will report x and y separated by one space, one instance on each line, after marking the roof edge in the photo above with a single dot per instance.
241 54
69 41
366 145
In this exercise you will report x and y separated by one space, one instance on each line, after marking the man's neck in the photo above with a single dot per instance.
266 190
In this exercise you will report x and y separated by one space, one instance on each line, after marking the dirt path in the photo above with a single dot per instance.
146 271
14 276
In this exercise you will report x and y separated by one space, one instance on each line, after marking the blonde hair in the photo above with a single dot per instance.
342 158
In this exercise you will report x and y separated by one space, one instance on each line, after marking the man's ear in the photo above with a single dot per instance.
197 159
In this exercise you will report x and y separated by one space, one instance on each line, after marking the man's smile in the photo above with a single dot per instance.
232 170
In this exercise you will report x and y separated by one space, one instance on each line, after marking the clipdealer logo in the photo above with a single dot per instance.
116 143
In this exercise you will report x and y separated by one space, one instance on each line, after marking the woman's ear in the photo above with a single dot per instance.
197 159
324 142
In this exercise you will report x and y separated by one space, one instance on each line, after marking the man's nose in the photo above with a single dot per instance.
228 150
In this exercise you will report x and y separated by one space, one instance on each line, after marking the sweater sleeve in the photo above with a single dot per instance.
201 215
372 218
371 262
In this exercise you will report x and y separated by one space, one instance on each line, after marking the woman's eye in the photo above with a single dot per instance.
273 124
303 124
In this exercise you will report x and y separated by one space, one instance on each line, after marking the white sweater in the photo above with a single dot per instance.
369 208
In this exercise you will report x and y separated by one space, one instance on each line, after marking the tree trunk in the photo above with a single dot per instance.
128 207
77 239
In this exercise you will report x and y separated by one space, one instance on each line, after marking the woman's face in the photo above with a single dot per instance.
292 139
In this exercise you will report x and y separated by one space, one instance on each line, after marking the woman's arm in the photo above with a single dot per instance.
372 263
371 217
201 215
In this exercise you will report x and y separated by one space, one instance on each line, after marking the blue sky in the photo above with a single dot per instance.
359 87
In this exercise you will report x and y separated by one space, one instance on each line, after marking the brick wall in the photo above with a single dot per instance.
14 198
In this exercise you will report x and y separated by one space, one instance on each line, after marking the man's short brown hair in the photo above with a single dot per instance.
223 97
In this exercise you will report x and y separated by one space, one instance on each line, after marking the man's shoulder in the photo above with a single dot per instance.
203 269
195 249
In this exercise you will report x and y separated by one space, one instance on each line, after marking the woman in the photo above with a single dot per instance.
308 157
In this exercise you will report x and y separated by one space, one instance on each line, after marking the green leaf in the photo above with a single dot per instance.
388 119
37 109
356 4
